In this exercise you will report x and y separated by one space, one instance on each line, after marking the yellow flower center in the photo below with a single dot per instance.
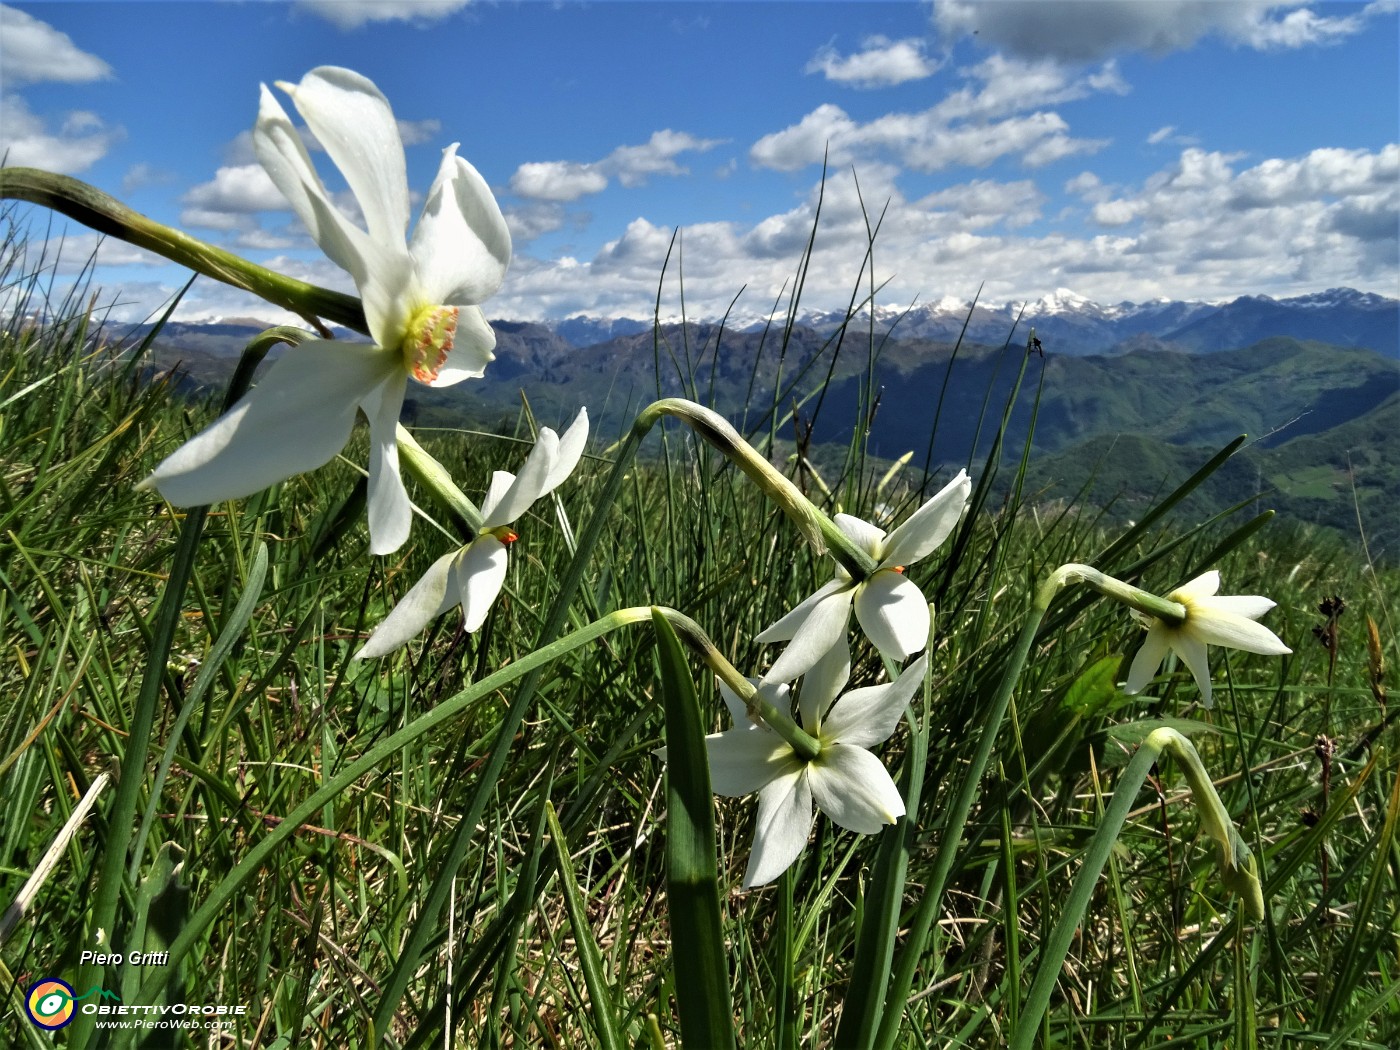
429 340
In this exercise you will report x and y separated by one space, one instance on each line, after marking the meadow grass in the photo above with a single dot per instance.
539 819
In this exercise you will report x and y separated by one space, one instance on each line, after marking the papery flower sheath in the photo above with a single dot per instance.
1226 620
419 299
472 576
889 606
845 781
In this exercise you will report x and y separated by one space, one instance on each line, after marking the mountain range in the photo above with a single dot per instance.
1080 326
1315 381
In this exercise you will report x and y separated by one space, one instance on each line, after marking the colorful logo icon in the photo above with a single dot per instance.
49 1003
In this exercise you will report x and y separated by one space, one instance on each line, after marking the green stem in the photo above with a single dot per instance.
425 926
1056 947
818 529
955 820
98 211
760 707
433 476
1237 866
225 891
714 429
954 824
1164 609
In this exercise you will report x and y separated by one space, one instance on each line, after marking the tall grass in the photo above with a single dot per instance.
554 927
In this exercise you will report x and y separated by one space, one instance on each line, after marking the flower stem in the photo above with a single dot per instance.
433 476
1169 612
816 528
688 631
98 211
955 820
1238 869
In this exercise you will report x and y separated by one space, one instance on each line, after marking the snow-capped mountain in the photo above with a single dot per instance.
1075 325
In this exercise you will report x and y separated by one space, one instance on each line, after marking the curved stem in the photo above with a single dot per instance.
816 528
249 866
105 214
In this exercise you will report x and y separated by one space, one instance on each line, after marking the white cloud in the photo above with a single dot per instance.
534 219
267 240
1089 186
1296 29
230 199
35 51
807 141
881 63
922 141
1326 218
142 174
1002 85
983 202
1089 30
417 132
657 156
76 252
1204 226
81 140
351 14
557 180
1114 213
974 125
563 180
1321 174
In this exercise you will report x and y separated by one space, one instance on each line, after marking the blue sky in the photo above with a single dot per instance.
1121 149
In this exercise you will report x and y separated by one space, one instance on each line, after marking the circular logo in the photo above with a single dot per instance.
49 1003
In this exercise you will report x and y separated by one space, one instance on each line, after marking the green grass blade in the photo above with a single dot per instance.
1056 947
103 917
884 901
208 671
590 960
692 870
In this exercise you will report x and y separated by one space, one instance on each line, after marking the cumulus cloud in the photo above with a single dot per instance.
980 122
1090 30
921 141
983 202
557 180
535 219
229 201
80 140
351 14
1315 217
563 181
77 251
1205 226
881 62
35 52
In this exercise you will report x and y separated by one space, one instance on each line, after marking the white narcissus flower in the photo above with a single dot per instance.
845 781
890 607
419 299
472 576
1226 620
